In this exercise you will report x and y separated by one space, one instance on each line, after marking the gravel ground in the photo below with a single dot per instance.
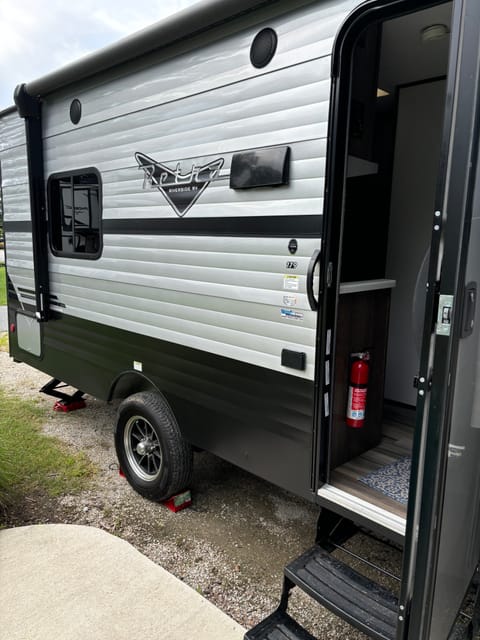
231 545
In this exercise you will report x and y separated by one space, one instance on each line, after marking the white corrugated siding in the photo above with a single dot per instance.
16 200
306 34
222 295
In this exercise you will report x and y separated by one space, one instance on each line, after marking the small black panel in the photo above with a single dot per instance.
294 359
75 111
263 48
260 168
293 246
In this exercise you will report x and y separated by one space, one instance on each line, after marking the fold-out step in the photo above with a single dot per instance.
278 626
350 595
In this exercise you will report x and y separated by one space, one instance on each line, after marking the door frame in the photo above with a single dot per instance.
336 165
450 239
450 236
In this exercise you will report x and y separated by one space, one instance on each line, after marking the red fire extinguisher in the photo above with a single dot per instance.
357 390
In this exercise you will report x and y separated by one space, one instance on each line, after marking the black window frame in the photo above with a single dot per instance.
56 206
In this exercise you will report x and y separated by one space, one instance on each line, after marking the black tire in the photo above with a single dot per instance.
152 453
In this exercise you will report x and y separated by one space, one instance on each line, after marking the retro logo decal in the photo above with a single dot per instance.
180 190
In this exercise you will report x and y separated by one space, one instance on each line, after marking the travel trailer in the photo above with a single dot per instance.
257 224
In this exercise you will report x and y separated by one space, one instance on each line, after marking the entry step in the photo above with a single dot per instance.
357 599
278 626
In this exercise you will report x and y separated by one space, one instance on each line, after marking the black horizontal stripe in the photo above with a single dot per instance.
258 226
17 226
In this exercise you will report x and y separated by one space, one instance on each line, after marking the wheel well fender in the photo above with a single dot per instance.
128 383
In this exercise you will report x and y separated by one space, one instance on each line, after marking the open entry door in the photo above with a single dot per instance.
438 527
401 184
442 544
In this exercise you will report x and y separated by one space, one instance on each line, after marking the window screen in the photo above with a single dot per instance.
75 214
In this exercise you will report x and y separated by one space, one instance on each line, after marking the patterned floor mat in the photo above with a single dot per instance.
392 479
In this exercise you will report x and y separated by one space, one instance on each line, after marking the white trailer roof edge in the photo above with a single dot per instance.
11 109
200 17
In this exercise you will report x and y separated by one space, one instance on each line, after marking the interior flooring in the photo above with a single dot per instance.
396 443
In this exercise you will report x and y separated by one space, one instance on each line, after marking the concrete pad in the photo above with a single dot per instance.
74 582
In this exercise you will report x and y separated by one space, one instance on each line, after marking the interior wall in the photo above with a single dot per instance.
417 151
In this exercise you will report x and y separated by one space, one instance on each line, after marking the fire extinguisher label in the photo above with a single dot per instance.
357 399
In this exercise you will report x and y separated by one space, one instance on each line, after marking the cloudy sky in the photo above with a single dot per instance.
38 36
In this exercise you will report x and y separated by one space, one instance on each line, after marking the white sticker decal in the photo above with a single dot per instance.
138 366
290 301
292 283
291 314
326 403
327 372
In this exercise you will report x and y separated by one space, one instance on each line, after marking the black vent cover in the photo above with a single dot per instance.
263 48
75 111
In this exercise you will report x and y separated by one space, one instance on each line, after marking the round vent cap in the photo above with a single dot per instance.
75 111
263 48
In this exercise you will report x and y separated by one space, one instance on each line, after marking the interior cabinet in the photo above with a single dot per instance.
364 93
362 326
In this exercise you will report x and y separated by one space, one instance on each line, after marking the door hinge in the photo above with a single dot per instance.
422 383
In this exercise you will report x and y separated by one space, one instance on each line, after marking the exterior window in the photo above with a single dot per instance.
75 214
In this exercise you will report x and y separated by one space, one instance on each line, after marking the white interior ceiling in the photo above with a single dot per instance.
405 58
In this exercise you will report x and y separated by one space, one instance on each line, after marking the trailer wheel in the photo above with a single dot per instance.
152 453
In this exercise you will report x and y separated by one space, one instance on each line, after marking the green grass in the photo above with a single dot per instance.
31 462
3 288
3 341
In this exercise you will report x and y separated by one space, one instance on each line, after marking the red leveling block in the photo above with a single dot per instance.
175 503
179 502
60 405
66 402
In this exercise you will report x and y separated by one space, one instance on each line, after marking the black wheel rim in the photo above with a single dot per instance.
143 449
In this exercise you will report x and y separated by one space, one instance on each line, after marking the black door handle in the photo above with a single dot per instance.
311 268
469 304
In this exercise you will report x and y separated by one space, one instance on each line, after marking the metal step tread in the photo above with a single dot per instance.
350 595
278 626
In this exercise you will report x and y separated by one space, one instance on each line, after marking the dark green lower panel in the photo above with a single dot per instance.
258 419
